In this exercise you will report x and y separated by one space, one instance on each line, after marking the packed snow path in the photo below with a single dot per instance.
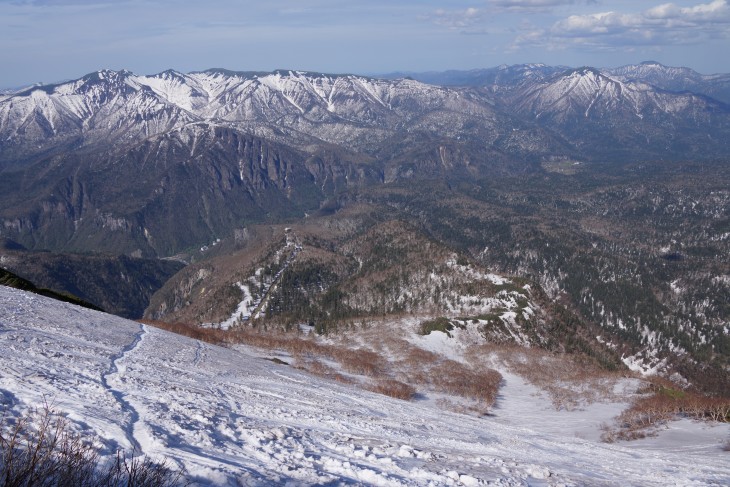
116 373
231 417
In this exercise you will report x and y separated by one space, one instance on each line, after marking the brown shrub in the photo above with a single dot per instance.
317 368
394 388
40 449
664 404
456 378
396 379
647 412
569 380
209 335
418 357
359 361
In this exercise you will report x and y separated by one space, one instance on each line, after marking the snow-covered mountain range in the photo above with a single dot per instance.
111 150
609 114
586 93
229 416
671 78
112 106
355 112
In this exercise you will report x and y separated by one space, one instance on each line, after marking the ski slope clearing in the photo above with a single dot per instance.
232 417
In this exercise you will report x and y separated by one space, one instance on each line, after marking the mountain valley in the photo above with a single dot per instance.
462 241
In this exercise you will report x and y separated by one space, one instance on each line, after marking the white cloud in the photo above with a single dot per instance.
596 24
665 11
717 10
458 19
475 19
666 24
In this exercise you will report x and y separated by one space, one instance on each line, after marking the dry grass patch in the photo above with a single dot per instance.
358 361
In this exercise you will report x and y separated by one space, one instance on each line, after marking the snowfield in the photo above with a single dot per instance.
232 417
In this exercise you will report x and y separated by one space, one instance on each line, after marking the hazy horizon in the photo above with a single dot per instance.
49 41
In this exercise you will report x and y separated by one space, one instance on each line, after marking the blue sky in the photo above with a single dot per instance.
47 40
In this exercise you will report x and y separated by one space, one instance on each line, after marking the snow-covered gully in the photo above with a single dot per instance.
250 307
261 304
116 375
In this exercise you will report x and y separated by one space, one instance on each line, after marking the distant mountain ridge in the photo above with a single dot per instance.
498 75
155 104
592 109
172 161
118 106
650 72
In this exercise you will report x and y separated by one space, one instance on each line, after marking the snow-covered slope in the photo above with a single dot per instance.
233 418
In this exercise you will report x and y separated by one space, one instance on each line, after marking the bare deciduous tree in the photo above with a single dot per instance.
40 449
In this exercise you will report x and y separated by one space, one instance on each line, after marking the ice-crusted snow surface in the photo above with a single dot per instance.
231 417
